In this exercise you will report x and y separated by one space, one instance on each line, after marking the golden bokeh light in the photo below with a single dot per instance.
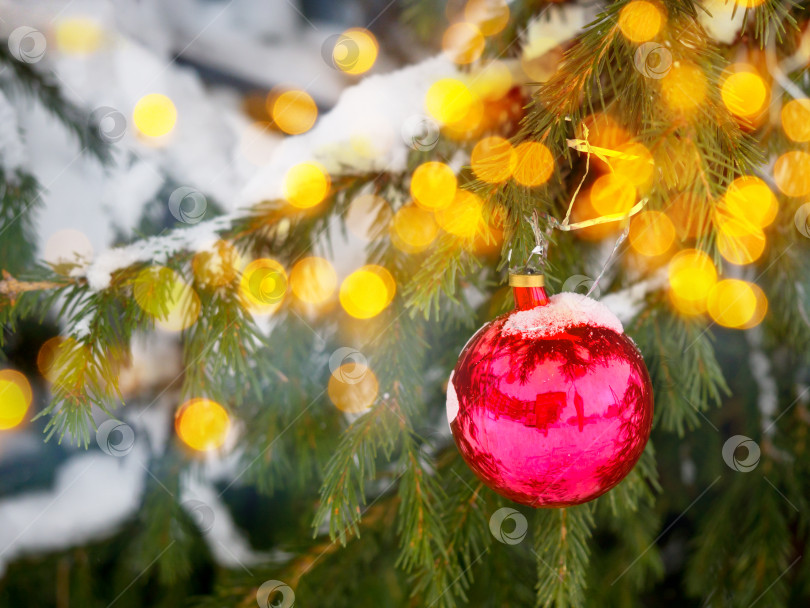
366 292
748 3
744 92
493 159
62 359
184 309
313 280
216 266
689 214
68 246
463 42
355 51
684 88
353 388
640 21
637 165
368 215
791 172
433 185
491 16
47 356
293 112
737 304
306 185
413 228
739 243
79 35
164 295
796 119
463 217
749 200
471 124
15 398
535 164
263 285
489 239
691 277
202 424
583 211
450 101
651 233
612 193
154 115
491 81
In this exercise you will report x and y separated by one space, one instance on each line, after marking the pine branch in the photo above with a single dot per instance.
682 364
20 199
423 537
353 464
561 548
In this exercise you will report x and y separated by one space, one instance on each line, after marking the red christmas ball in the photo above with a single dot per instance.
551 405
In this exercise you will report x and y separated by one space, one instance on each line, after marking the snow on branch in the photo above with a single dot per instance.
367 130
362 133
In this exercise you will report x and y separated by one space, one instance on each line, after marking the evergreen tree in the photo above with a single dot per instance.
662 153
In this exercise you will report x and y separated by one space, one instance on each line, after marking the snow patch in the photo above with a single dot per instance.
452 400
155 249
565 310
553 26
718 22
361 133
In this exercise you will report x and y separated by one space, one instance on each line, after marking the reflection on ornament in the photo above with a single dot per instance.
550 405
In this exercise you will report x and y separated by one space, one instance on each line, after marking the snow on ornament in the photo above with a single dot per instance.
551 405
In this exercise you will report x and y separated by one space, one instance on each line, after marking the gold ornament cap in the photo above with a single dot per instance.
527 280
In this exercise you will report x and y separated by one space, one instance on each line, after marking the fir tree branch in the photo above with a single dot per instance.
561 548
